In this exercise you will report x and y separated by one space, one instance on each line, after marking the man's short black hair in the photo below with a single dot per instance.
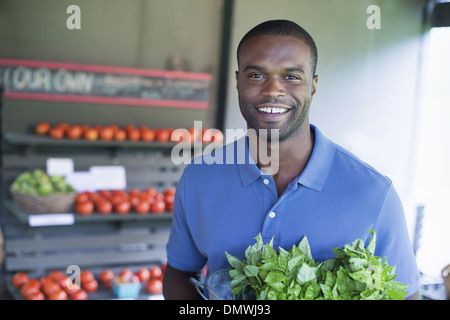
283 28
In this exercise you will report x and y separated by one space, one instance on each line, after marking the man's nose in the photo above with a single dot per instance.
273 88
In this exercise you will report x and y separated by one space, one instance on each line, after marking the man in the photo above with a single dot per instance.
318 189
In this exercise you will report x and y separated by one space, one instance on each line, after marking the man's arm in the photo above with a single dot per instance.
178 285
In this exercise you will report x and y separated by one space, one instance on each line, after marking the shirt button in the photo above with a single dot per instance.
272 214
266 181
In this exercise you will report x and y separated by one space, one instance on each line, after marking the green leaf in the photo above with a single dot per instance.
312 292
304 247
293 262
372 242
237 279
251 271
234 262
356 264
305 274
268 252
275 276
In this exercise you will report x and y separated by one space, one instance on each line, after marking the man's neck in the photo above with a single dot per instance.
291 157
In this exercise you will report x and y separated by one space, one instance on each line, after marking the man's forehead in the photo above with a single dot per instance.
288 50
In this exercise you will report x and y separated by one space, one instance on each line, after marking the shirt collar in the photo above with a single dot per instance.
315 173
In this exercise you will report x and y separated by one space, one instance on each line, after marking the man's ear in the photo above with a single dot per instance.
313 86
237 77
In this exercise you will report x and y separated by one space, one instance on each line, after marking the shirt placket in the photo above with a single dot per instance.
271 223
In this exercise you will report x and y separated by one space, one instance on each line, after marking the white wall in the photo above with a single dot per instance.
366 98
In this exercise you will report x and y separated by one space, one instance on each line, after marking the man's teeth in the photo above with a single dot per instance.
273 110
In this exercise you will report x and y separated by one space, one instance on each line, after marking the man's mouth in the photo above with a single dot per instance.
272 109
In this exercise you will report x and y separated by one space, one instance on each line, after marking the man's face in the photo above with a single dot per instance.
275 84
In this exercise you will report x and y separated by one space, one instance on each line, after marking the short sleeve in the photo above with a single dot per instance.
182 253
393 241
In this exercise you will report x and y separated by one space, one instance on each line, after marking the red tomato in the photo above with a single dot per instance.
150 192
103 206
163 135
158 207
86 275
90 285
105 194
134 134
126 273
58 295
74 132
49 287
84 207
134 192
159 196
19 279
169 199
134 200
142 207
56 275
122 207
148 134
90 134
169 207
120 135
155 272
169 191
106 133
106 275
63 282
143 274
71 288
36 295
42 128
30 287
154 286
81 197
56 133
78 294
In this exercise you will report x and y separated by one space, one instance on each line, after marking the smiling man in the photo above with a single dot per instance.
319 189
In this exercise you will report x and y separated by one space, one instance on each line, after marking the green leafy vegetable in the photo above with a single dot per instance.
355 274
39 183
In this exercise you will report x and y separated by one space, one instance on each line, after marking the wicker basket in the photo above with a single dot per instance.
51 203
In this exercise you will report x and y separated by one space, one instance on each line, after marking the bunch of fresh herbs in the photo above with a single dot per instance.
355 274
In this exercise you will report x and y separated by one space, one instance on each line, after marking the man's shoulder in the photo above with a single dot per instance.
346 161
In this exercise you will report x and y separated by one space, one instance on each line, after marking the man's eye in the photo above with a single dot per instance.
292 77
256 76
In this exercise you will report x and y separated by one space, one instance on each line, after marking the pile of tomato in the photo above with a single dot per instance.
58 286
54 286
122 202
151 278
128 132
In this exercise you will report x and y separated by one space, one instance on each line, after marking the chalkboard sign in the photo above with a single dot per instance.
39 80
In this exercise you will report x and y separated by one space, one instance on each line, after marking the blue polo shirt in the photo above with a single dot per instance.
223 202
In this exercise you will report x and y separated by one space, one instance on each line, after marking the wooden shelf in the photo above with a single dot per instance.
24 139
42 220
32 140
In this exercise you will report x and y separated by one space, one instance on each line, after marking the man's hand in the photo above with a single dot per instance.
178 285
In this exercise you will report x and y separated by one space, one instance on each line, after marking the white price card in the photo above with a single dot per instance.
59 166
109 177
51 219
82 181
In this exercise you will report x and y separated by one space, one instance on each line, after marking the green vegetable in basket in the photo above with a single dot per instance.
39 183
355 274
